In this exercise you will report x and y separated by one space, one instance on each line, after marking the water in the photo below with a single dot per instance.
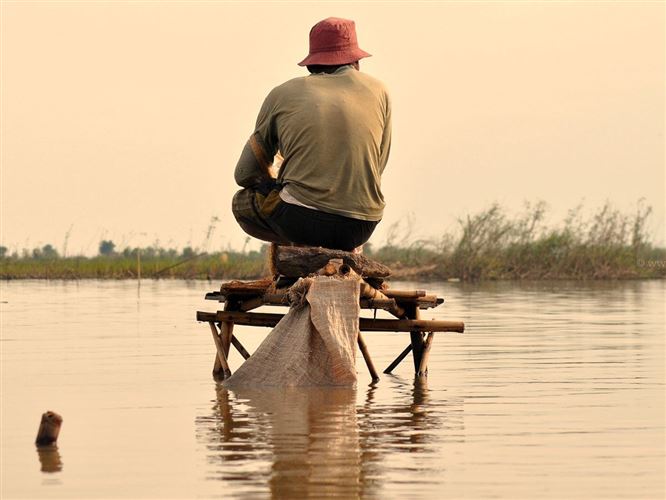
556 390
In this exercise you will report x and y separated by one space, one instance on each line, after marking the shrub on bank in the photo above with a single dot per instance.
488 245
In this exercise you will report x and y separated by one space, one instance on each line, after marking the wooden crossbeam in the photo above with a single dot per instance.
279 298
365 324
399 359
242 297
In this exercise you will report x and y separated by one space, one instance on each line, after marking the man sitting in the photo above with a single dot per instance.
333 131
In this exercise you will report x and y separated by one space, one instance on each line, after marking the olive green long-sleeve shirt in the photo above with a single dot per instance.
334 132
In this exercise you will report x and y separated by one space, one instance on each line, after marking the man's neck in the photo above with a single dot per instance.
318 69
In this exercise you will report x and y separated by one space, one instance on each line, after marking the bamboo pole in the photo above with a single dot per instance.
366 324
221 356
226 332
416 337
423 365
279 298
400 294
399 359
239 347
366 356
227 329
369 292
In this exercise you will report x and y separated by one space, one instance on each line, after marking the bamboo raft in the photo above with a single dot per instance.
240 298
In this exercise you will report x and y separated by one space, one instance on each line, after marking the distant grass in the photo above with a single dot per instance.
206 266
488 245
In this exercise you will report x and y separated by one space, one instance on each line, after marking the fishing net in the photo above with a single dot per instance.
314 343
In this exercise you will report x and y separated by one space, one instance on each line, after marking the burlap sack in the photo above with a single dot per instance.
315 342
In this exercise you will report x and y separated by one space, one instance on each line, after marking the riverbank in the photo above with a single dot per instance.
406 264
489 245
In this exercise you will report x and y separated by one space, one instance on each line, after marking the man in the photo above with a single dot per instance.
333 131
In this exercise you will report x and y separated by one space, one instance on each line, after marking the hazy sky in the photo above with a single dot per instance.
124 120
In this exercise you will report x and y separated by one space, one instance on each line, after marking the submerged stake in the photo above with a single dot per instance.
49 428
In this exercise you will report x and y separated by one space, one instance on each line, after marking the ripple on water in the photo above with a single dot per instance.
556 390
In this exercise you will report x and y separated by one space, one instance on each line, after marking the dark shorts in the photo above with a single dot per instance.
267 217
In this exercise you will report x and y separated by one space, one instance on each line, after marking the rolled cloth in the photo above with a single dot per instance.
314 343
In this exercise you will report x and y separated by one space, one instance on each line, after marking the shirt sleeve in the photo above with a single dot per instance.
256 157
248 171
265 129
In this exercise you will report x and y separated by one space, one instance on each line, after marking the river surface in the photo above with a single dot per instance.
555 390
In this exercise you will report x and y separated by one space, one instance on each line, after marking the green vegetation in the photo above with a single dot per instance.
489 245
150 262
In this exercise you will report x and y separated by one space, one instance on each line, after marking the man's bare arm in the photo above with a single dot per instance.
253 165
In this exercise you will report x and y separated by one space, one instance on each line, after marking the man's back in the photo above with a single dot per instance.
333 131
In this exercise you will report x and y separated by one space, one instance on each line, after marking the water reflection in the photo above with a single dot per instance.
49 458
315 441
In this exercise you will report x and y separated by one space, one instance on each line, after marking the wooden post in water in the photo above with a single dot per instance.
416 337
368 359
221 356
224 339
423 365
49 428
226 332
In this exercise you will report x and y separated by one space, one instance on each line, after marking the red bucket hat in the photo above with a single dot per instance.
333 42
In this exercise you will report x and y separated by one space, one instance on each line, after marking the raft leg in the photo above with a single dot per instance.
222 358
423 365
217 367
399 359
239 347
417 339
226 332
227 329
368 361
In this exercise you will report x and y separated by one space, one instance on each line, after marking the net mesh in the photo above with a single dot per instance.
314 343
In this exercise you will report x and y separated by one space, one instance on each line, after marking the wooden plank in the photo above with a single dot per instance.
215 296
366 324
236 287
252 303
